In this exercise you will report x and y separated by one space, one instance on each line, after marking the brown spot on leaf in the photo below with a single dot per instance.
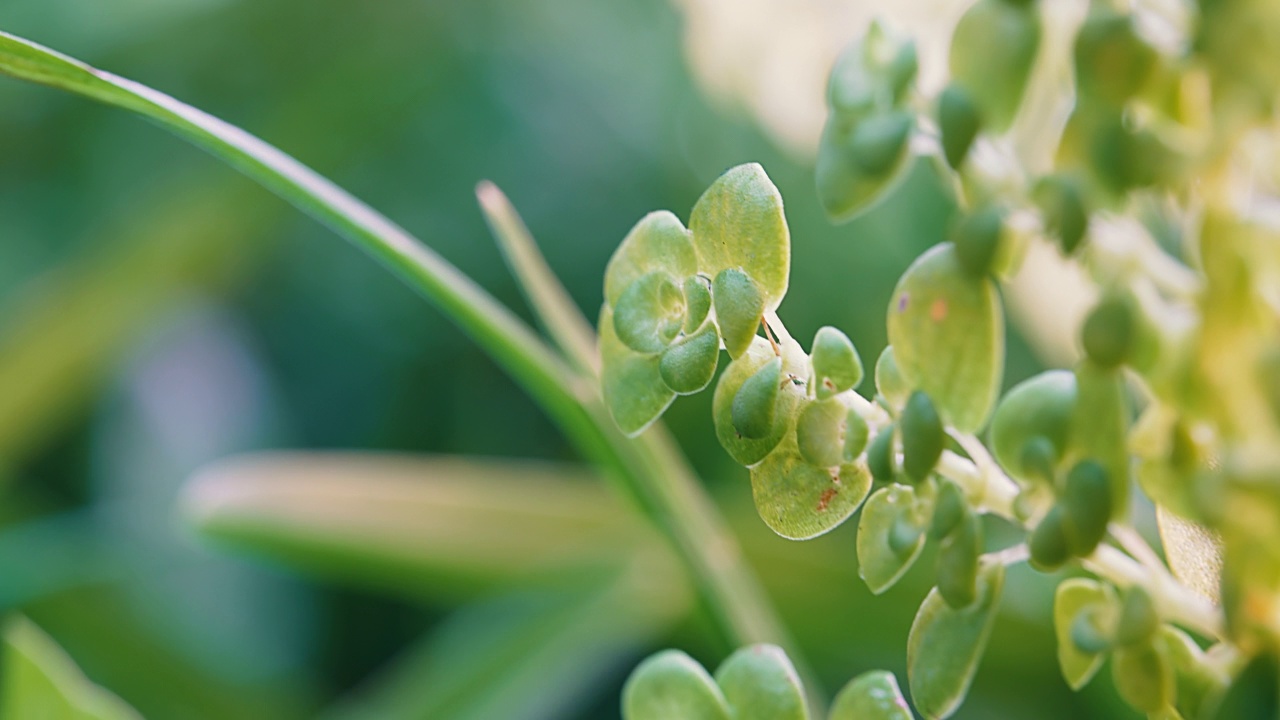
938 310
825 499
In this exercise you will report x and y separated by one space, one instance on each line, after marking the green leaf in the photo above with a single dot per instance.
977 238
948 510
1061 202
1109 332
872 695
959 123
947 332
880 455
1252 694
946 645
738 223
878 564
1200 683
820 431
1073 596
631 382
754 410
697 300
688 366
548 297
855 436
889 381
992 52
1086 499
846 185
801 501
958 556
659 242
1112 62
836 365
878 143
672 686
747 451
649 313
1049 546
39 681
923 438
739 309
1100 428
874 71
760 683
1039 407
1143 675
1139 619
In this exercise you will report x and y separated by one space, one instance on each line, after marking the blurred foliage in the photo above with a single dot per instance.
160 312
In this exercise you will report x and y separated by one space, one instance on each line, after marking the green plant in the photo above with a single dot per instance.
1172 390
1141 188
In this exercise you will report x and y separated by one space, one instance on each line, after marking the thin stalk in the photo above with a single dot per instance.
740 613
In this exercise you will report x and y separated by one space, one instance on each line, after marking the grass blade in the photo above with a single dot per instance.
562 318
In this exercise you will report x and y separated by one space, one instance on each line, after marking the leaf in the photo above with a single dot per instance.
947 333
1200 683
1252 694
688 366
1143 676
548 297
672 686
39 681
760 683
739 309
1194 552
872 695
649 313
425 528
923 437
958 123
889 381
739 223
1072 596
801 501
836 365
659 242
747 451
992 52
1100 428
946 645
845 185
1038 407
819 431
631 383
878 565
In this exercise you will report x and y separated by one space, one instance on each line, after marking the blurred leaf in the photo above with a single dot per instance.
527 656
673 686
760 683
421 527
1143 675
946 645
872 695
549 298
947 332
992 52
1072 596
40 682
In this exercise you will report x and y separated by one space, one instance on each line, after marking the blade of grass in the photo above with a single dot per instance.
727 588
562 318
41 681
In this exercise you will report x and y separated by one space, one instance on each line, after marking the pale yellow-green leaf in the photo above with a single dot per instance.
672 686
631 382
873 695
1072 596
739 223
947 332
658 242
800 501
946 645
760 683
748 451
878 564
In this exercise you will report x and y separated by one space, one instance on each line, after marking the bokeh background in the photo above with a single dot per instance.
159 312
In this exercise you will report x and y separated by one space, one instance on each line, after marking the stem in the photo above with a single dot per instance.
651 472
1175 602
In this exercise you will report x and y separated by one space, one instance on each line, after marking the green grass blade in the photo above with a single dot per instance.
557 311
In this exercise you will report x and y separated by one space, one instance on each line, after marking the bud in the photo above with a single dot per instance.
880 460
923 438
754 405
959 122
948 510
688 366
1049 550
1087 503
958 555
818 432
1109 330
977 239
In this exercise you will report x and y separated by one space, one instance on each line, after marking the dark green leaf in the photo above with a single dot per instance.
923 438
688 366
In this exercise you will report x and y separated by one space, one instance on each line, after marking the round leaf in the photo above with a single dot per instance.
836 365
688 366
947 332
878 564
820 430
1039 407
672 686
658 242
761 684
738 223
649 313
799 501
1143 676
855 436
992 52
872 695
1073 596
632 383
945 645
755 404
1049 546
747 451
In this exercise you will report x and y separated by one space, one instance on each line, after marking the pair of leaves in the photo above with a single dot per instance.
658 335
755 683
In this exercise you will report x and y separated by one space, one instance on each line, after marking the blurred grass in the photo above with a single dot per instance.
585 115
